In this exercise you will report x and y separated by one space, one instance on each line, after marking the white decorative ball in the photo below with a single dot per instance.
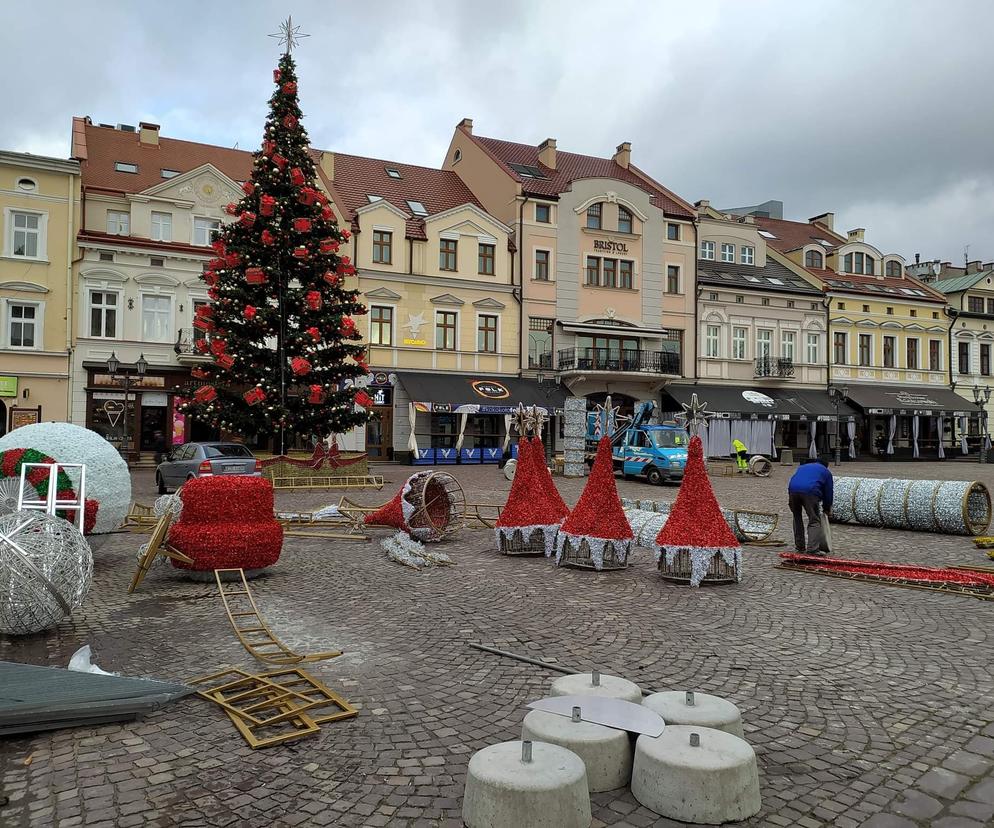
45 571
108 480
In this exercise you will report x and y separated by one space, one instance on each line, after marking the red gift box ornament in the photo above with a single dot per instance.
231 208
290 88
205 394
203 323
267 237
198 373
316 396
202 345
255 275
225 361
232 259
204 310
314 300
329 245
302 225
249 312
332 278
218 246
315 334
346 234
348 326
300 252
210 277
248 187
279 160
308 195
327 214
266 205
277 74
363 399
297 176
247 219
268 147
290 121
212 292
300 366
218 346
254 396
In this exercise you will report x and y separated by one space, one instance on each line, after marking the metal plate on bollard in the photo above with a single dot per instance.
621 715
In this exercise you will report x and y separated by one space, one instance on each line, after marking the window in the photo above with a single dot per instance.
542 265
162 226
933 354
990 307
672 278
673 231
610 278
912 354
22 322
975 304
382 247
445 330
935 314
739 342
842 305
447 254
814 306
540 342
106 257
728 252
392 172
985 359
748 254
124 166
787 341
486 259
814 258
890 311
486 334
103 314
713 297
118 223
417 208
964 357
764 343
169 173
626 271
766 301
156 261
457 156
205 230
740 300
893 269
381 325
707 250
156 311
26 184
25 235
543 213
813 349
374 198
839 348
624 220
866 308
860 263
865 349
889 342
712 341
593 270
594 217
790 303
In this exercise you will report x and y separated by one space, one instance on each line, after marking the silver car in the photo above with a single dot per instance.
204 460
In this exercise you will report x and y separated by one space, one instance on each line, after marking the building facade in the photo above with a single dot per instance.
39 214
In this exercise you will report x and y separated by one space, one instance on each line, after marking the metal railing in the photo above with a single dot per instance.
612 359
186 339
774 367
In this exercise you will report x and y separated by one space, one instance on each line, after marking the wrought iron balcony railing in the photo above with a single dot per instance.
612 359
782 367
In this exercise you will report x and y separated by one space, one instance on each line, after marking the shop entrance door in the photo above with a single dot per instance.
153 429
379 434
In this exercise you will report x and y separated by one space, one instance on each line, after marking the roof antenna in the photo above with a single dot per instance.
235 146
966 254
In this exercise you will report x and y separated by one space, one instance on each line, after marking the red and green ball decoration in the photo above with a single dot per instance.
37 479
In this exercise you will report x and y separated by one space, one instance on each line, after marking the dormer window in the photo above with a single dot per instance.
125 167
594 217
417 208
374 198
894 269
393 172
859 263
707 250
728 252
748 254
814 258
624 220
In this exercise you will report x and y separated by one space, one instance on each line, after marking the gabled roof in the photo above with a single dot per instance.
793 235
727 274
891 287
571 166
100 148
358 177
958 283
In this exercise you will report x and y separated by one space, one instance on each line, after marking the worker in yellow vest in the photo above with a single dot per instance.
741 452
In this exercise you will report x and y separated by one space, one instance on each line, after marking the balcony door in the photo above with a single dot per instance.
608 353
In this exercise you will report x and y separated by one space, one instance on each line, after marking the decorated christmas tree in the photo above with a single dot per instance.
280 330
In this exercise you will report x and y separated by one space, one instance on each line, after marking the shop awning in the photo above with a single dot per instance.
895 399
762 403
479 393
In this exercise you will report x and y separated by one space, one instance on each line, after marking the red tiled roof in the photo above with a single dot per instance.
571 166
99 148
872 285
357 177
791 235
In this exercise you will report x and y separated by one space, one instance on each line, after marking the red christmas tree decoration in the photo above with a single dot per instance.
277 74
289 88
389 514
530 520
205 394
332 279
297 176
267 238
246 219
231 208
316 397
248 187
329 246
254 396
255 275
290 122
363 399
314 300
203 323
302 225
696 524
279 161
315 334
225 361
266 205
249 312
218 346
327 214
300 366
300 252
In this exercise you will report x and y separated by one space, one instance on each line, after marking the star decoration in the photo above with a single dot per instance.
289 35
415 322
607 418
528 420
695 414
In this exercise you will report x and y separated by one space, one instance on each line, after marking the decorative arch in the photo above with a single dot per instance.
611 197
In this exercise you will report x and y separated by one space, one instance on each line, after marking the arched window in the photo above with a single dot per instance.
624 220
594 216
858 263
894 268
814 258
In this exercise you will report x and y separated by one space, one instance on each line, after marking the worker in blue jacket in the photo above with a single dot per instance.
810 491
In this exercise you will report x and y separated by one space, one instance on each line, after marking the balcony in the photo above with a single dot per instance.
774 368
185 347
614 361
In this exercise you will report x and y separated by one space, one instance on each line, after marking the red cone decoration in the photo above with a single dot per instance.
533 505
598 517
696 524
389 514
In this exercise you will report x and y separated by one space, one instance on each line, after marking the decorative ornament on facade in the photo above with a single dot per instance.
415 322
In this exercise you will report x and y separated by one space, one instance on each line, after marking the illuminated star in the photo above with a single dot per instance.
415 322
289 35
695 414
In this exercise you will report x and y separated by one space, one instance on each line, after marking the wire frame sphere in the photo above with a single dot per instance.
45 571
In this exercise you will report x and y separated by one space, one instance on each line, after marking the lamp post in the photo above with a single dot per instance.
838 393
982 396
113 368
549 389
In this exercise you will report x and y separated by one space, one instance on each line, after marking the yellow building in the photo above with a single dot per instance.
39 214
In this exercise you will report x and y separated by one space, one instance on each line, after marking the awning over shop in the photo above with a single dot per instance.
895 399
479 393
732 401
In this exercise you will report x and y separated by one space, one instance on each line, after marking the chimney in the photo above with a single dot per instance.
547 153
857 234
467 125
918 258
148 133
825 219
974 267
623 154
327 164
703 204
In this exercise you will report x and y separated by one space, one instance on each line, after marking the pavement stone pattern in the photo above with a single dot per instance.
866 704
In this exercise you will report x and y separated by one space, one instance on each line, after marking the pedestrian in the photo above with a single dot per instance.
741 453
810 495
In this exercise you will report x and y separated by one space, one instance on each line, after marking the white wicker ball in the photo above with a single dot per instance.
45 571
108 480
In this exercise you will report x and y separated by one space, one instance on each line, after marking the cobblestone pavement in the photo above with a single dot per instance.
867 705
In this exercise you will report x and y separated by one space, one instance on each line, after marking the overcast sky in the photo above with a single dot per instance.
882 112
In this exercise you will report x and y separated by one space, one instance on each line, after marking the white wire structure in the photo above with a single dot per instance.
52 504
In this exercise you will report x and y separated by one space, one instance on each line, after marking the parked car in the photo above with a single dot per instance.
203 460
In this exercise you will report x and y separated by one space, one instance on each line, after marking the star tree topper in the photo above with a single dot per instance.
695 415
289 35
528 420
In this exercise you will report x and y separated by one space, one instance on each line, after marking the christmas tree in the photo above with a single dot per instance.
279 328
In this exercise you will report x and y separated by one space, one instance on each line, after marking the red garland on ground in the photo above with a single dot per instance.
599 513
227 522
891 571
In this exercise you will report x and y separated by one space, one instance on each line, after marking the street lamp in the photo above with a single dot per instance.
838 393
982 396
113 368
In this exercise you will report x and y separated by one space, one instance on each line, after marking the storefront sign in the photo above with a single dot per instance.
490 389
420 342
8 386
380 378
911 399
179 427
109 395
610 246
24 416
133 382
155 399
757 398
